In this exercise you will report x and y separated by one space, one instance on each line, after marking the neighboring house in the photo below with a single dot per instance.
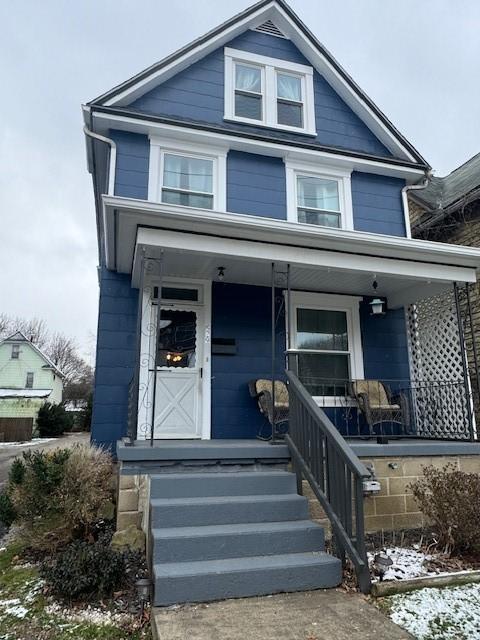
252 221
28 378
448 210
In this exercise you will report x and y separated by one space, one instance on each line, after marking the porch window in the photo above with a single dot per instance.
187 181
326 339
318 201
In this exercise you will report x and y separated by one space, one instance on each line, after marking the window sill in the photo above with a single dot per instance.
255 123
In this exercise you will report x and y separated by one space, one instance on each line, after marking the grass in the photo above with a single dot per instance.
24 613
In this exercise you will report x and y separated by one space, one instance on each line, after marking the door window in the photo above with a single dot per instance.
177 339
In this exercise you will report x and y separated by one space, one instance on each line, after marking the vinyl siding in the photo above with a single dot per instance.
116 341
377 204
256 185
197 94
131 172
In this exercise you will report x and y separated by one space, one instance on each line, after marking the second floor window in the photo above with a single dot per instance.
187 181
289 100
248 92
318 201
29 381
15 351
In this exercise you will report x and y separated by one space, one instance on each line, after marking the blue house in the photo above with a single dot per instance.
253 223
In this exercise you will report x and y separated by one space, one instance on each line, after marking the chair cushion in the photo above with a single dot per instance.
281 391
375 391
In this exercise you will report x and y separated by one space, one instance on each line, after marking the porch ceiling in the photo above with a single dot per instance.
246 262
196 242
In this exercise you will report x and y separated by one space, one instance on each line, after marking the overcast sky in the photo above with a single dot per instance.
419 61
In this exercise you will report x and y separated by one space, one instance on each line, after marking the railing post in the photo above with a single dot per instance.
466 375
273 352
133 418
157 336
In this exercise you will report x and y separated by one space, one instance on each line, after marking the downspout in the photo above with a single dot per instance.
412 187
110 181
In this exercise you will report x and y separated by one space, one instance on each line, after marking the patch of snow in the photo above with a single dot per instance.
89 614
407 563
14 608
27 443
450 613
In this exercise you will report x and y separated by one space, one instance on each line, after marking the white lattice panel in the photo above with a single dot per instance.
438 388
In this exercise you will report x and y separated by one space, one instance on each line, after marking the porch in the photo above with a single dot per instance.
255 319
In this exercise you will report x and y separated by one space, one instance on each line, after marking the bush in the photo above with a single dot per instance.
451 499
60 495
84 570
53 420
7 510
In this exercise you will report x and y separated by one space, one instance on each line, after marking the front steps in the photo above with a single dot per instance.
234 534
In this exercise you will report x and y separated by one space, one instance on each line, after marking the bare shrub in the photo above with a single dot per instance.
60 495
451 500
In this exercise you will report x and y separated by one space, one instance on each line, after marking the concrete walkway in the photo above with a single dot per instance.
313 615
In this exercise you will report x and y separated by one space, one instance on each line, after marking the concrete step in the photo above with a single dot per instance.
190 544
189 485
243 577
184 512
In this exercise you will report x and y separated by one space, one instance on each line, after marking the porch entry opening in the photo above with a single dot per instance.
178 376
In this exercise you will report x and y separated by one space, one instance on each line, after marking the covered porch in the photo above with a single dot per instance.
226 311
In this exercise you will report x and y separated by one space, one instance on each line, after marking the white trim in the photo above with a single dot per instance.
293 169
331 302
406 214
159 147
275 13
205 327
275 148
240 227
269 67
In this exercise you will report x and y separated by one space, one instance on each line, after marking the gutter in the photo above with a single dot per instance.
92 169
413 187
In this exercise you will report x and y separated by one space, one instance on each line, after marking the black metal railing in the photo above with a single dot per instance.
435 410
335 474
132 408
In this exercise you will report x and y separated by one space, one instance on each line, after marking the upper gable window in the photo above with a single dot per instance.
15 351
269 92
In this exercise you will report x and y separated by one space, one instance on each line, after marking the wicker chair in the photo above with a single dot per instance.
262 390
378 405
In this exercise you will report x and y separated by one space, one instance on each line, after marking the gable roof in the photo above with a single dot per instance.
283 18
20 337
451 191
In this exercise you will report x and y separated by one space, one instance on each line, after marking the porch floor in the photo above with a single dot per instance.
201 450
413 447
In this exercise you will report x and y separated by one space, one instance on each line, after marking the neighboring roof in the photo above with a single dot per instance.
25 393
442 193
289 23
20 337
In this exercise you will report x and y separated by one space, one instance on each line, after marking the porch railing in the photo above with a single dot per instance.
396 408
335 474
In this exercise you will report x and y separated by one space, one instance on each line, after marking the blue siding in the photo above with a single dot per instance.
197 94
385 348
115 357
131 175
242 312
256 185
377 204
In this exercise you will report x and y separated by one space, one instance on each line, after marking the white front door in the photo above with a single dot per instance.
178 385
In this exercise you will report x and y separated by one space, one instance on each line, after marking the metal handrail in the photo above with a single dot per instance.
335 474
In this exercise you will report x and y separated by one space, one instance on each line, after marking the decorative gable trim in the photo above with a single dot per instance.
270 28
280 14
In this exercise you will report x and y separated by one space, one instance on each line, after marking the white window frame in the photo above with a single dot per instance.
270 67
218 156
350 305
343 178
